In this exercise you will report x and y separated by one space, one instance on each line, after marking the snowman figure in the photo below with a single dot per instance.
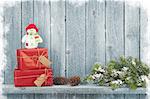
32 38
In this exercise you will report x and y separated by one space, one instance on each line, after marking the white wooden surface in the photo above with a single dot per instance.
114 30
77 34
132 31
95 34
67 89
12 34
75 41
58 37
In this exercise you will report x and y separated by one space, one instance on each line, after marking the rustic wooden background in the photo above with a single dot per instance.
77 34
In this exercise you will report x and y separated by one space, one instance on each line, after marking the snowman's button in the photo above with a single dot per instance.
26 44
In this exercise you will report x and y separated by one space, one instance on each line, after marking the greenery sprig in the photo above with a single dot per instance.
126 72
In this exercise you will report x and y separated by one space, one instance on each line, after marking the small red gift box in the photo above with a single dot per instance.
24 78
29 58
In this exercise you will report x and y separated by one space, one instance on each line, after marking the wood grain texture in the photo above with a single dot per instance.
119 96
132 31
143 96
28 96
14 96
57 96
12 33
77 35
132 97
27 15
114 30
101 96
81 89
42 96
94 96
95 33
144 36
58 37
105 96
75 96
75 29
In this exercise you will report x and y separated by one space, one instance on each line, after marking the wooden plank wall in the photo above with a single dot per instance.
77 34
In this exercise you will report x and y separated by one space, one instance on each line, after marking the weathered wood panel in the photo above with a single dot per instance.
144 36
50 96
81 89
26 96
75 96
105 96
102 96
27 15
58 96
95 33
58 37
12 33
142 96
75 29
78 34
119 96
11 96
132 31
144 40
132 97
42 96
114 30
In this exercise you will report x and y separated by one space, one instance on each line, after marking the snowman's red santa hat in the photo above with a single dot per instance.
32 26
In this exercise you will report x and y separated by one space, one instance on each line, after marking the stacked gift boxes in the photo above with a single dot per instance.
30 70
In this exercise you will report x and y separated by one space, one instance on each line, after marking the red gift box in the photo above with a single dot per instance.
29 58
24 78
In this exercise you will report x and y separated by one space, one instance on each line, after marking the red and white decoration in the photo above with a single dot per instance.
32 38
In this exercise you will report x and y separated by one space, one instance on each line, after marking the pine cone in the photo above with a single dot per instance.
60 81
74 81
